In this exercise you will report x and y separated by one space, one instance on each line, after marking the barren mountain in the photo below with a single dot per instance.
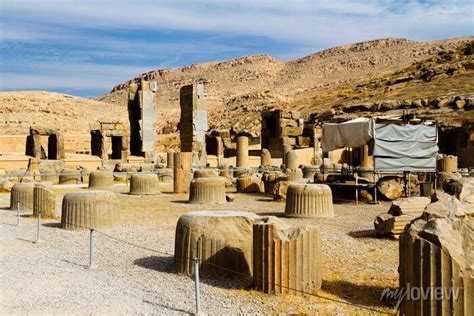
249 84
238 89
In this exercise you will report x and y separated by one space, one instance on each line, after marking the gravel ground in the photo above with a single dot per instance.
52 276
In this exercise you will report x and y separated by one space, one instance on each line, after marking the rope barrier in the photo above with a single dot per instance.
116 239
243 274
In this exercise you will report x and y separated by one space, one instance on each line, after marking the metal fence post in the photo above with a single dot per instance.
196 283
38 225
91 236
17 213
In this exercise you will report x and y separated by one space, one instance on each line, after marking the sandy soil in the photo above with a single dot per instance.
52 276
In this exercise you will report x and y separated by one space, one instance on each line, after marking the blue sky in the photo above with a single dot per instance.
85 47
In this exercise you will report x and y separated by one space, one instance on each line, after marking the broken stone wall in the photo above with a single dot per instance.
55 144
109 140
283 128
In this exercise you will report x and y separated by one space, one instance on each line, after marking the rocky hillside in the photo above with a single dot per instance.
242 87
237 90
70 114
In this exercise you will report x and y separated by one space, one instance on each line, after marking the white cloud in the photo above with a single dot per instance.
295 27
304 22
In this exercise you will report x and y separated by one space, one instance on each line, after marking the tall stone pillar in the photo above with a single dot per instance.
142 116
242 151
193 123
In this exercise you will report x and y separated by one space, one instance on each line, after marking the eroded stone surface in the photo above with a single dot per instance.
218 238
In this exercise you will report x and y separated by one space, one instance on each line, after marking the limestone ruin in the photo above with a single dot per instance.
193 123
309 200
55 147
242 151
207 190
284 130
144 184
90 209
400 214
109 140
218 239
182 171
250 183
101 179
22 193
44 200
142 117
437 252
286 260
265 158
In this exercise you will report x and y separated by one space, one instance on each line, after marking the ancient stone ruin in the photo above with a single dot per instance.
250 183
242 151
55 143
219 143
265 158
109 140
218 239
182 171
309 200
400 214
144 184
284 129
90 209
142 116
101 179
207 190
286 260
170 159
193 123
44 200
205 173
22 193
436 258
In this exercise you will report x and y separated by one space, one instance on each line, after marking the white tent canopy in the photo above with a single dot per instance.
354 133
396 147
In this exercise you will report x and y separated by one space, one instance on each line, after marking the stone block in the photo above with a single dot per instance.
144 184
265 158
222 240
271 178
250 184
286 260
437 252
182 172
294 175
101 179
90 209
23 193
413 206
208 190
309 200
70 176
205 173
44 200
